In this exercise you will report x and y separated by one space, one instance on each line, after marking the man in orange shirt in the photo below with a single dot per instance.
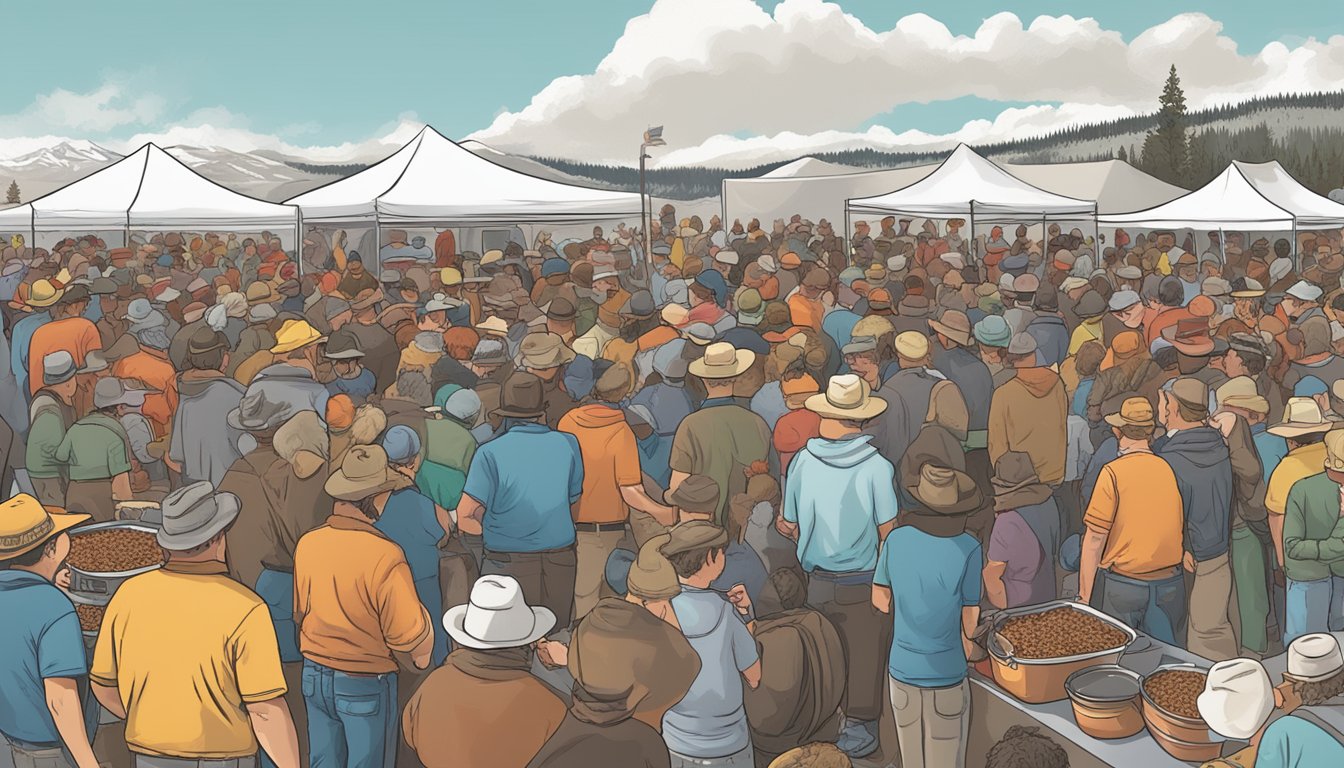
68 331
612 483
805 307
150 366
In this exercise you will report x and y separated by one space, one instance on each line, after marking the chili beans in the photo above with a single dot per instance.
90 616
1060 632
114 550
1176 691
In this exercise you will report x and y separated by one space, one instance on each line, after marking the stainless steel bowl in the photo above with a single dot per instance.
102 585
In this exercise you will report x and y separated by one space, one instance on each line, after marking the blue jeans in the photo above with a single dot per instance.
352 719
277 589
1156 608
1313 606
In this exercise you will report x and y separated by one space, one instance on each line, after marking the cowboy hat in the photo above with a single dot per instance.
43 293
258 413
1190 336
847 397
945 491
1313 658
1241 392
522 396
1134 412
26 525
1302 416
544 351
364 472
1237 699
497 616
954 325
195 514
722 361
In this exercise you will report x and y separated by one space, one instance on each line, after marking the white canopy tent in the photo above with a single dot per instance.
1257 197
1116 185
811 187
432 180
148 190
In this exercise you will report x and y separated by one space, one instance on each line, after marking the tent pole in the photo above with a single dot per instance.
377 239
298 243
849 239
1222 247
1297 257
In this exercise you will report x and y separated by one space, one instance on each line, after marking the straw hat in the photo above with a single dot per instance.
847 397
497 616
43 294
1134 412
1313 658
1302 416
722 361
26 525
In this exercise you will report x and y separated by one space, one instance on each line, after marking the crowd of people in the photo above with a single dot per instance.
748 500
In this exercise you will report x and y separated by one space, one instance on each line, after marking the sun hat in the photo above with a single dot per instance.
26 525
1134 412
43 294
522 396
58 367
294 335
497 616
697 493
113 391
993 331
722 360
364 472
1237 699
195 514
1241 392
1301 416
847 397
954 325
912 345
1313 658
544 351
945 491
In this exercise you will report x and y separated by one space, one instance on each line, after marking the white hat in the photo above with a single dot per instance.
1006 283
726 257
1237 699
897 263
1122 300
1304 291
1312 658
953 259
1072 282
604 273
847 397
497 616
768 263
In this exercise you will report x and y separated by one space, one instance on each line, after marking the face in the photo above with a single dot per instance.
1189 272
1233 364
716 562
863 365
61 550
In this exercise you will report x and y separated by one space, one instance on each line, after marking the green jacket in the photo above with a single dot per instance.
1313 531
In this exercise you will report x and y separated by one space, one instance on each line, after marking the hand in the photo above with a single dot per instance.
63 578
739 598
1189 562
1224 422
553 654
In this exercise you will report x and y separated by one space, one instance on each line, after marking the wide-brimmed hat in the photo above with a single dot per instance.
543 351
1302 416
258 413
26 525
113 391
293 335
1134 412
364 472
195 514
493 326
58 367
848 397
946 491
1238 698
522 396
497 616
1016 483
722 361
44 293
955 325
1313 658
1241 392
697 493
1190 336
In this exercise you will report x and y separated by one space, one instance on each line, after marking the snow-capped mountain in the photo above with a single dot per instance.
50 168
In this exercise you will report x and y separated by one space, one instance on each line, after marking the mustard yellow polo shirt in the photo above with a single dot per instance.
187 648
1298 464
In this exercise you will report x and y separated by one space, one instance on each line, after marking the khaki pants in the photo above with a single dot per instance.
592 548
50 491
931 724
26 756
1209 632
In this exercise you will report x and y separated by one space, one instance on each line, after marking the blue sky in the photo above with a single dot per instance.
320 73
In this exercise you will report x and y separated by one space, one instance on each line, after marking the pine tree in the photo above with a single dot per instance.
1166 149
12 196
1121 155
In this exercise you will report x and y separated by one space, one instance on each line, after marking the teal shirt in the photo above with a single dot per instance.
1313 531
1291 742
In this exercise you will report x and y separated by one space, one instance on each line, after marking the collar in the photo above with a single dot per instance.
11 578
345 523
1259 428
713 402
197 569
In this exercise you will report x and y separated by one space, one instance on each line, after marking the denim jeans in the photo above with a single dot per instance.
1156 608
1313 606
352 719
744 759
277 589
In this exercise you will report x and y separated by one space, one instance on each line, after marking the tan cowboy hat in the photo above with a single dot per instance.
43 293
954 325
1302 416
847 397
364 472
543 351
945 491
722 361
1134 412
493 326
1241 392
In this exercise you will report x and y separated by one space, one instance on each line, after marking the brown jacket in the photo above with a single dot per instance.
1028 414
481 709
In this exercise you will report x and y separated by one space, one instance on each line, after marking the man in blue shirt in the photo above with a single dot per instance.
928 578
41 649
518 497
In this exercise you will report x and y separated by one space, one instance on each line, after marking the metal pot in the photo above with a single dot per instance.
1105 701
102 585
1038 681
1182 737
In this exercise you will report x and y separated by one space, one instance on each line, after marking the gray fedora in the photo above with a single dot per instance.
258 413
58 367
195 514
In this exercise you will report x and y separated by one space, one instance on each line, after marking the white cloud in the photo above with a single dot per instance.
107 107
709 70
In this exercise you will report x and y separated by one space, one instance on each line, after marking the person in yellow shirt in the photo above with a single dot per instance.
1304 427
188 657
1090 309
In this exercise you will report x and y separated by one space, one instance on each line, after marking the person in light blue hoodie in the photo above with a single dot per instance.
839 504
